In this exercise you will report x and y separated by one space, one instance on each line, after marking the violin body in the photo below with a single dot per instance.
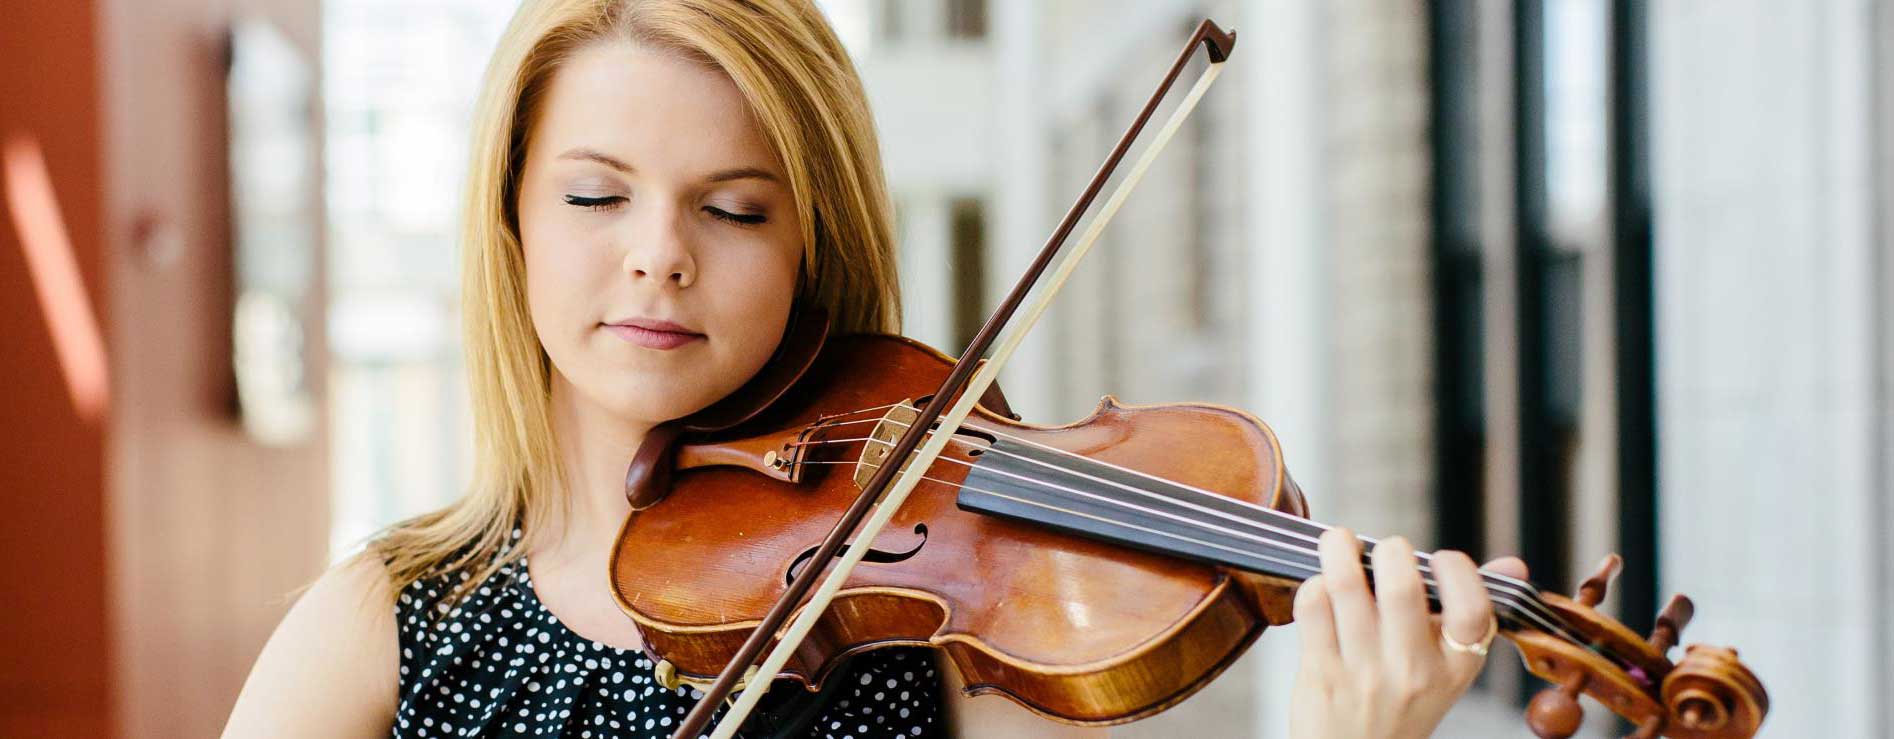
1073 628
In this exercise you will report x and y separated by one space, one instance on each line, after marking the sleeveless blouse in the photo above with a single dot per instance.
499 664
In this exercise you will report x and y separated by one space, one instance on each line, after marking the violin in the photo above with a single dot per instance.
1095 572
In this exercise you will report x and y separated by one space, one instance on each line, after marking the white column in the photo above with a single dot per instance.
927 299
1766 327
1021 211
1883 121
1280 44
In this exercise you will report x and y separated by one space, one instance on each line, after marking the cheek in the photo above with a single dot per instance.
755 296
770 285
560 270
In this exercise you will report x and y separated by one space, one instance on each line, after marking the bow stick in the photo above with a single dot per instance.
958 386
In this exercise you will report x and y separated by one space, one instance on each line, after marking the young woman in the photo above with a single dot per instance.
655 183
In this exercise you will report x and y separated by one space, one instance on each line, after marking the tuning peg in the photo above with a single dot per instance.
1671 622
1593 589
1554 713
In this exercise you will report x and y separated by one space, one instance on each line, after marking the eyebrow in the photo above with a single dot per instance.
723 175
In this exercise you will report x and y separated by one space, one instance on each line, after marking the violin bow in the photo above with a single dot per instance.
964 385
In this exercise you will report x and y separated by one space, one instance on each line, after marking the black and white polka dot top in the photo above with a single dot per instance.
500 665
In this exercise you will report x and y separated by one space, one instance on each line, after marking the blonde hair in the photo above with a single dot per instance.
808 101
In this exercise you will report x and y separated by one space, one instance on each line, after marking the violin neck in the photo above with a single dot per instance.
1065 492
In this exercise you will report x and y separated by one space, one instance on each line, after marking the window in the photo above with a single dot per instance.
400 78
1561 304
967 239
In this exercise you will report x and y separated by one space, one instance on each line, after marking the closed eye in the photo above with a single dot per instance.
604 203
594 203
744 219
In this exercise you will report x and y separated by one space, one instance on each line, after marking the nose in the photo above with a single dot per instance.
661 250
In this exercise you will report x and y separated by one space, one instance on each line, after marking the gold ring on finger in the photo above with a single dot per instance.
1477 649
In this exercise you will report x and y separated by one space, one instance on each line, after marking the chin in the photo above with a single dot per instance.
653 395
657 402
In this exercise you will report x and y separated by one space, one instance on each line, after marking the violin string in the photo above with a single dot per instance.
824 418
1531 604
822 442
963 486
1498 592
1307 569
1254 508
1038 481
1260 510
1522 595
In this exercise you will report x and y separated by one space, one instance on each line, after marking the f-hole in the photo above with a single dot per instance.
874 555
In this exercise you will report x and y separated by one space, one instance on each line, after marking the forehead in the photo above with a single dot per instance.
654 108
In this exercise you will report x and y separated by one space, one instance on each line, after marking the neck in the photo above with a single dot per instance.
594 447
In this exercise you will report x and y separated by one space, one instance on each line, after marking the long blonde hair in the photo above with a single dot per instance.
808 101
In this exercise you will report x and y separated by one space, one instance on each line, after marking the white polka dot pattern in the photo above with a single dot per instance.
499 664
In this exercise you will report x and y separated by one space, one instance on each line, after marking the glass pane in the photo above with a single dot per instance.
400 78
1575 119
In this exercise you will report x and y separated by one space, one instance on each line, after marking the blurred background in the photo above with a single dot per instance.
1549 277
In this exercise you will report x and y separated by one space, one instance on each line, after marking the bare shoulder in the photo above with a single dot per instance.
330 667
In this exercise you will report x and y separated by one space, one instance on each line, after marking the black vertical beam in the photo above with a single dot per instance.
1630 188
1459 348
1543 476
967 238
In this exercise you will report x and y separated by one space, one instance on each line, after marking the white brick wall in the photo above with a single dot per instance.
1380 349
1328 147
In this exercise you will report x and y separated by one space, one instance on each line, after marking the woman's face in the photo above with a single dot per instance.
660 236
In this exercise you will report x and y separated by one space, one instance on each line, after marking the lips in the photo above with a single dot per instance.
652 333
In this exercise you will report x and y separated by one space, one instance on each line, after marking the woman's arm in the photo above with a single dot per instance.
330 670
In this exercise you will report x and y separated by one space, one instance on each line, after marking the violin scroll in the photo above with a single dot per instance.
1712 694
1708 695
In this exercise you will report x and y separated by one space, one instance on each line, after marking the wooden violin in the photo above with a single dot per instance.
1095 572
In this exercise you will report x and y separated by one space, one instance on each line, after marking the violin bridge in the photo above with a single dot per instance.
881 441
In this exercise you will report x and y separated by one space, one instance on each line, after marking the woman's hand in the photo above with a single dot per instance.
1373 664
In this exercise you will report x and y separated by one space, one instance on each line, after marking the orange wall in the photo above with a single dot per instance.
209 532
147 554
54 679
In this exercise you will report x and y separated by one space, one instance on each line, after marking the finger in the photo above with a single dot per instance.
1316 623
1347 589
1512 567
1465 611
1401 599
